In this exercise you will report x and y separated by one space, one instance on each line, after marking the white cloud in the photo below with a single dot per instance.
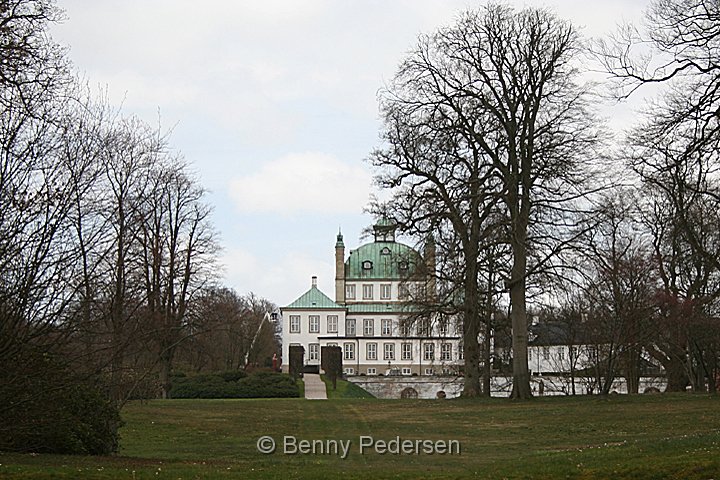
280 279
303 183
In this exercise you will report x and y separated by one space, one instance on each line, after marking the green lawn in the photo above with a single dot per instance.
344 389
651 437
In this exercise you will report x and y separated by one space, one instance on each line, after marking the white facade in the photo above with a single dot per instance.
559 358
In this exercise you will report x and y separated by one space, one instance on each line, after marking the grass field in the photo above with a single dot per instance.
639 437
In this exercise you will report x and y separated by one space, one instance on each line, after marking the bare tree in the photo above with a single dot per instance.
675 152
223 326
47 162
178 251
620 291
486 116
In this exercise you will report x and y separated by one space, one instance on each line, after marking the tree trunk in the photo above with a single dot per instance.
471 349
631 365
166 358
487 366
572 356
518 318
674 367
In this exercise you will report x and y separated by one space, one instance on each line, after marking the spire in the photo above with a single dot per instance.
339 242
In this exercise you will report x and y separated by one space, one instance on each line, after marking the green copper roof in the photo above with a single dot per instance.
385 222
313 299
387 260
380 308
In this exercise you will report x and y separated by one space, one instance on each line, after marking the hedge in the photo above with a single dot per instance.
235 385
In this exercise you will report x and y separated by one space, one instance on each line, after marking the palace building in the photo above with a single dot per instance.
375 317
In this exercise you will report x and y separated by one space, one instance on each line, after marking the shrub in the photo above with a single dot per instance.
232 375
256 385
268 385
48 409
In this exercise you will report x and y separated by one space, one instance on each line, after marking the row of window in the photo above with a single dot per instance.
371 352
406 351
545 353
424 327
368 291
314 324
373 371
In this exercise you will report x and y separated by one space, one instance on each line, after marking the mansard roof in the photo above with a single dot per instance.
387 260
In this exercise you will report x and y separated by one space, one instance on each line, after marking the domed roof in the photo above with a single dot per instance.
382 261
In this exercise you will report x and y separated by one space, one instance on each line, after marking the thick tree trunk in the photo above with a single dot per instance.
518 318
631 369
471 351
166 359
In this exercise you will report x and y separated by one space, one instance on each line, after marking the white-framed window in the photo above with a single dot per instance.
367 265
592 352
561 353
371 351
446 351
349 351
314 351
350 291
367 292
406 351
424 328
349 371
332 321
294 323
386 327
371 371
530 350
403 291
368 327
429 351
443 327
405 328
350 327
429 371
573 353
406 371
385 290
314 323
389 351
461 353
546 353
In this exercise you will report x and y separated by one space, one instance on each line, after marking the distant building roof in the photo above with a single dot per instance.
558 333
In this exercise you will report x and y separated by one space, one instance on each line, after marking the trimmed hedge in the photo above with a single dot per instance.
235 385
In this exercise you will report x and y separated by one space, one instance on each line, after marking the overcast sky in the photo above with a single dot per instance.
274 104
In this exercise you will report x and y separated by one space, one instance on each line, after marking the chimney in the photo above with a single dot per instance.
314 281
